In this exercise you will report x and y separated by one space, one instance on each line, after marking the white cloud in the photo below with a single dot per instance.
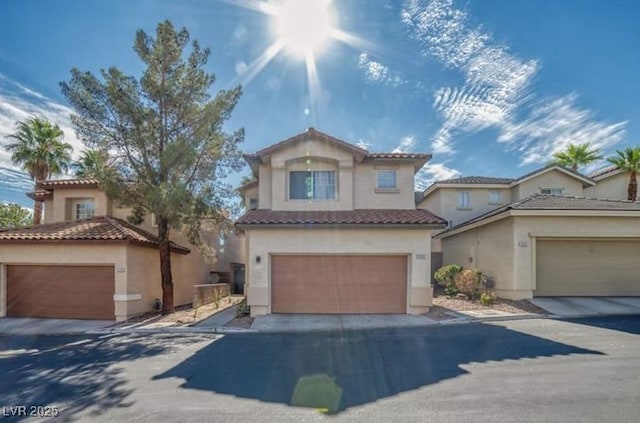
18 102
496 85
364 144
377 72
405 146
433 172
552 125
239 36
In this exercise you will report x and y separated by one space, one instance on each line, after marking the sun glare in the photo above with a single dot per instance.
304 26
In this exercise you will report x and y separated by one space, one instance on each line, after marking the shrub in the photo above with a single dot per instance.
450 290
445 276
243 309
487 297
470 282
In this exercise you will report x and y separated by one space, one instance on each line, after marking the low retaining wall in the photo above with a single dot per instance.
206 294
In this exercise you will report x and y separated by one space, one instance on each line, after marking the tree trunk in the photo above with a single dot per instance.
165 266
37 212
632 191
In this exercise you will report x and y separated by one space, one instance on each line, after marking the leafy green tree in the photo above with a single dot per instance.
13 216
40 151
577 155
169 153
628 160
90 163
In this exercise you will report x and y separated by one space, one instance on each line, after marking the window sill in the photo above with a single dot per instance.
464 208
387 190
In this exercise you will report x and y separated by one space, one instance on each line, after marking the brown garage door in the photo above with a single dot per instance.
72 292
338 284
587 268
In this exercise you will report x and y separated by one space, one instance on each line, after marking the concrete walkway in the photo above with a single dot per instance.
333 322
218 320
589 306
34 326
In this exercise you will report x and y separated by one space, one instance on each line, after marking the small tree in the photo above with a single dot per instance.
164 132
13 216
576 155
38 148
628 160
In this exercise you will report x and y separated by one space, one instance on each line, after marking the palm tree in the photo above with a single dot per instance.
90 163
577 155
628 160
40 151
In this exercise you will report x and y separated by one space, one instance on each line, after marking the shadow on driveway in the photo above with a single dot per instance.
76 371
338 370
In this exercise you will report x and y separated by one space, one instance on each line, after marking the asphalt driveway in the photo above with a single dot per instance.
568 307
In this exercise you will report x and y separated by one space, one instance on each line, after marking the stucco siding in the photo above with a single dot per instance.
614 187
411 242
489 248
479 203
553 179
60 210
367 196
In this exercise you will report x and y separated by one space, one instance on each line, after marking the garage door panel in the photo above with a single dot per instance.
338 284
587 268
80 292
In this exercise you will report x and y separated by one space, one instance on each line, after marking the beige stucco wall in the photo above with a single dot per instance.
614 187
478 203
264 187
415 243
505 249
551 179
489 248
59 206
367 196
251 193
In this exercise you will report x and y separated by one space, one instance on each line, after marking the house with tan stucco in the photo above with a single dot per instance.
334 228
86 261
553 232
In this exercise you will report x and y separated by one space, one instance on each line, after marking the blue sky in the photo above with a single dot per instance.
489 87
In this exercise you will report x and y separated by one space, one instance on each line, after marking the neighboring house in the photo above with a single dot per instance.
548 238
332 228
86 261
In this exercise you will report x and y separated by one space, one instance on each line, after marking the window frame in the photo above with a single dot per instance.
81 211
462 204
315 175
558 191
381 172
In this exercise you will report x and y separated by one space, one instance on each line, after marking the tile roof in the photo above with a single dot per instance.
477 180
100 228
410 156
552 166
555 202
341 217
603 171
39 194
55 183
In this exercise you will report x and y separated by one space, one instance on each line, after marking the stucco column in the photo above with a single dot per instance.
420 288
3 290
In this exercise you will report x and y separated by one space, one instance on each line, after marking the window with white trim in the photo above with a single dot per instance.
312 185
551 191
84 209
495 197
463 200
387 179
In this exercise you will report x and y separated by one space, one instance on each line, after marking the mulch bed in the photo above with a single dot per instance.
509 306
243 322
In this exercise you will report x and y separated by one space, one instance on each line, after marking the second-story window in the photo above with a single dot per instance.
495 197
312 185
84 209
387 179
551 191
463 200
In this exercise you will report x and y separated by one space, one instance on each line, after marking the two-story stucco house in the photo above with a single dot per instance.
333 228
552 232
86 261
